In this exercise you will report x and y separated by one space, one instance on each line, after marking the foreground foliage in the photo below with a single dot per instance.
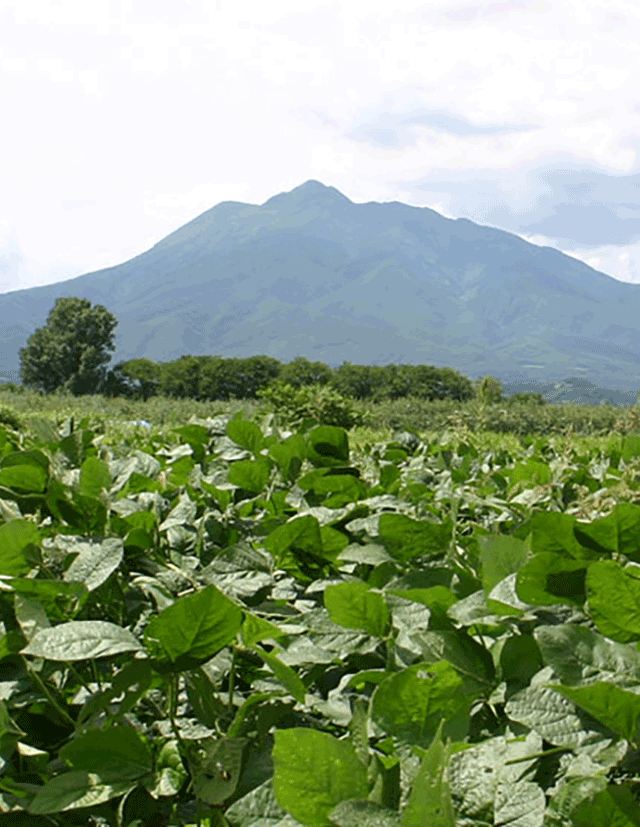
236 624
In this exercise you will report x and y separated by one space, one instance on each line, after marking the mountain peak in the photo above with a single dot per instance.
311 191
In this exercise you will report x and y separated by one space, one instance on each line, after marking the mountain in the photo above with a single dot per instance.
311 273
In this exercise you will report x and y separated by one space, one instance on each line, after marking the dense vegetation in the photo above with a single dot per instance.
232 623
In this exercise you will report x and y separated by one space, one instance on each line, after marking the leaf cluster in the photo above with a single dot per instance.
244 626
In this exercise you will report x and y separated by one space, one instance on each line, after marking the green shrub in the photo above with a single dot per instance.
9 417
526 399
319 404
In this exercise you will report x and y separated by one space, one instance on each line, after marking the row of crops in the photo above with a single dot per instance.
231 623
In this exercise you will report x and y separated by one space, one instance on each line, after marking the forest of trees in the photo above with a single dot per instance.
71 352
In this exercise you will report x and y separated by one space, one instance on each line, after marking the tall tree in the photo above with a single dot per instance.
71 350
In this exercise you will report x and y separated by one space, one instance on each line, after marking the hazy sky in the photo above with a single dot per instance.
124 119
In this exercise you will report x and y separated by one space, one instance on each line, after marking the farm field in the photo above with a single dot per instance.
218 619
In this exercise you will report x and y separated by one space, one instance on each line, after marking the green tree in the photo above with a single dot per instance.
70 351
301 372
489 389
145 373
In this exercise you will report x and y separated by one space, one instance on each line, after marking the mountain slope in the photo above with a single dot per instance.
311 273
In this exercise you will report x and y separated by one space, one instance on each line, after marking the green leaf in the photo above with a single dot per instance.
500 555
119 750
95 563
328 446
25 471
470 659
405 538
520 659
548 579
578 653
73 790
613 807
552 531
430 799
252 475
95 477
198 625
314 772
616 708
289 456
285 674
362 813
409 705
246 434
614 600
81 640
302 533
355 606
20 547
216 777
255 629
617 533
528 474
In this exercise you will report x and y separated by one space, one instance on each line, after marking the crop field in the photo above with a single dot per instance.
212 617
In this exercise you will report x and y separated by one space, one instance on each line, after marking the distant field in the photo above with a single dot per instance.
491 426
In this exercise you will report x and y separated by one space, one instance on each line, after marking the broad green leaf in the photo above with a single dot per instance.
470 659
522 803
285 674
548 579
500 555
614 600
328 446
198 625
410 704
216 777
617 533
76 789
362 813
58 599
630 447
405 538
255 629
355 606
430 799
95 477
289 456
578 654
24 471
301 533
333 542
119 750
96 562
613 807
252 475
552 531
520 659
616 708
313 772
554 717
530 473
246 434
19 547
81 640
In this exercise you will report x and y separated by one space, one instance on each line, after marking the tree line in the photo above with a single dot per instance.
71 352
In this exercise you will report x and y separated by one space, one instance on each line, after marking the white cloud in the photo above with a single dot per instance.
144 114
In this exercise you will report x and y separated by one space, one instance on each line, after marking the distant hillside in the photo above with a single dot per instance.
310 273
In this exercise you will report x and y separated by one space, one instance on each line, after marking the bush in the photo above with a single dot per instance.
12 387
9 417
526 399
316 404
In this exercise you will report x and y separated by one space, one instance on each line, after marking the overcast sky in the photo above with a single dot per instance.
124 119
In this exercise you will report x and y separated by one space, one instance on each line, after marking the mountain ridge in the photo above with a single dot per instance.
309 272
